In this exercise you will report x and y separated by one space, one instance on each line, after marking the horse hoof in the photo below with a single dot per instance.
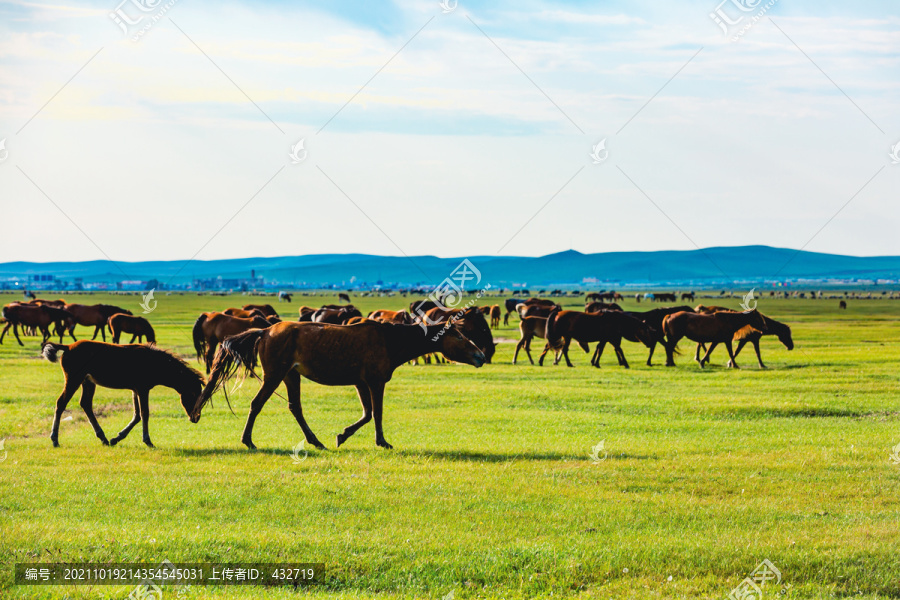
114 441
384 445
340 439
105 442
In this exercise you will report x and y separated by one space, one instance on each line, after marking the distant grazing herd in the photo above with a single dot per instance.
336 345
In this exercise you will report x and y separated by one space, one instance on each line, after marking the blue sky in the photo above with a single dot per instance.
474 139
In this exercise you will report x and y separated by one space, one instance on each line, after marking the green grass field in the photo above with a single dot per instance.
491 490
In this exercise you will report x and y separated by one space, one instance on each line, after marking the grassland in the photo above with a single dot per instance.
490 491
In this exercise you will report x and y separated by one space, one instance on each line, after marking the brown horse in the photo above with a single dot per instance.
598 306
306 313
510 304
752 335
87 364
654 318
530 328
399 317
96 316
244 313
265 309
495 316
471 323
138 327
37 316
526 310
708 310
335 316
607 327
355 320
718 328
363 355
211 329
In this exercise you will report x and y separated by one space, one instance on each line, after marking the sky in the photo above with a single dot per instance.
167 130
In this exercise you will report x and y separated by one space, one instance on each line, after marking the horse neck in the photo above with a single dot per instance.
407 342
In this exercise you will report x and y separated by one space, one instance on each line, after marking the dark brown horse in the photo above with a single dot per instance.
716 328
244 313
752 335
471 323
87 364
38 316
606 327
654 318
344 297
363 355
510 304
598 306
138 327
495 316
265 309
211 328
336 316
96 316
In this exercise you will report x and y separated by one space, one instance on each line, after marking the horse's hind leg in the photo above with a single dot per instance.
732 363
135 337
712 346
365 398
595 360
16 333
377 392
5 329
144 398
620 354
292 383
755 347
87 405
71 387
134 421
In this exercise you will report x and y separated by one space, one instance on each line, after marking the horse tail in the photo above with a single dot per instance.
550 330
51 351
199 338
234 352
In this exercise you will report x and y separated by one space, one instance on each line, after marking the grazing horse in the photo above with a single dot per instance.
688 296
715 328
138 327
37 316
654 318
534 310
842 304
306 313
531 327
495 316
398 317
753 335
471 323
510 304
344 297
244 313
363 355
96 316
598 306
665 297
211 329
265 309
87 364
335 316
604 327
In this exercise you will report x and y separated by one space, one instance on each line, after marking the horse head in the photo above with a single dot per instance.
458 348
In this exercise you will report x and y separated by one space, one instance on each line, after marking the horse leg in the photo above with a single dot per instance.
135 337
519 347
566 352
16 333
650 356
365 398
5 329
144 399
134 421
87 405
712 346
670 346
755 347
543 354
270 384
377 392
72 385
732 362
213 343
620 354
292 383
595 361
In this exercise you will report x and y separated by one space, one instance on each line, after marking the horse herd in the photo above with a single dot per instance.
337 345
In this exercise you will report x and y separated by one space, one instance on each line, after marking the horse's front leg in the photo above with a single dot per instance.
135 337
365 398
68 391
16 333
712 346
758 355
134 421
292 383
566 352
620 354
732 363
87 405
96 331
270 384
598 353
377 392
144 400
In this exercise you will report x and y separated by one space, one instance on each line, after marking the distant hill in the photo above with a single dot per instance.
698 268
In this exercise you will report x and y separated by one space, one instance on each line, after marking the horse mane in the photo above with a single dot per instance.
170 357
